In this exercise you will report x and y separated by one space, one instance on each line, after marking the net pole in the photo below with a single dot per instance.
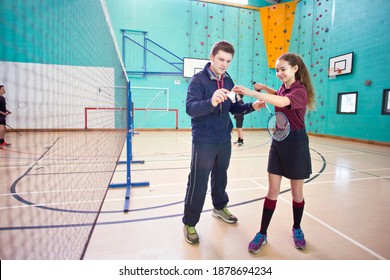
129 154
129 147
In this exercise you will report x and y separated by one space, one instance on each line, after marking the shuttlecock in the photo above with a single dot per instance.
232 96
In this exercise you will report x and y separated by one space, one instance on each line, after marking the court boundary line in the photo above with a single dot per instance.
306 213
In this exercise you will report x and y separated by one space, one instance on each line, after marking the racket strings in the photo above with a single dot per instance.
281 122
278 126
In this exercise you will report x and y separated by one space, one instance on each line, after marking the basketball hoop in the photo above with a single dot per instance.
333 72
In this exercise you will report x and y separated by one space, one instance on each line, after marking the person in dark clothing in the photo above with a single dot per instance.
3 115
209 107
239 123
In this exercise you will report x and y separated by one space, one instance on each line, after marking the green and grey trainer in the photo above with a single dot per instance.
225 215
190 234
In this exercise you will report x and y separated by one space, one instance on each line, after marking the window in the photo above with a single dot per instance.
347 103
386 102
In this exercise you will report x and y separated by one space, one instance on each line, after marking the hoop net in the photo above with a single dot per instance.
333 72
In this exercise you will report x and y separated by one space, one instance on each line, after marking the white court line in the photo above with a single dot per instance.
110 200
184 183
186 160
45 192
56 203
287 185
357 170
332 153
241 189
347 152
180 158
42 163
331 228
347 180
338 151
170 195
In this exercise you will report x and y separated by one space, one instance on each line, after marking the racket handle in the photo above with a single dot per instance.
253 83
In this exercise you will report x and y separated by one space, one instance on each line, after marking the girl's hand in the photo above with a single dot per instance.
259 87
240 90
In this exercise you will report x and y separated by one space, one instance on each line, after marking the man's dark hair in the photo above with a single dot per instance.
222 46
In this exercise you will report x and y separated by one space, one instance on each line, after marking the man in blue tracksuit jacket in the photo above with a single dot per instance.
209 107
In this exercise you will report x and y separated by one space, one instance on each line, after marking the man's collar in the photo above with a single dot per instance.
213 76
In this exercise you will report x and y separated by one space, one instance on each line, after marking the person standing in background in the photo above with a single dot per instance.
3 115
239 123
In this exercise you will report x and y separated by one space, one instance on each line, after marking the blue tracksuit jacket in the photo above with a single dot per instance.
211 124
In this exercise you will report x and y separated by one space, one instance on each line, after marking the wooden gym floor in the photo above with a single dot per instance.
346 211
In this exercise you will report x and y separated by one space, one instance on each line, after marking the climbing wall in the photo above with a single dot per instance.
277 22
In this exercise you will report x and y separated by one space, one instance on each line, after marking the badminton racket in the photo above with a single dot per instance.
278 125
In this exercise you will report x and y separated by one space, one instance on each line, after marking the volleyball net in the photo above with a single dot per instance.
57 60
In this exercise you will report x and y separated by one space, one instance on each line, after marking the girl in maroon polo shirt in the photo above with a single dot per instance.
289 158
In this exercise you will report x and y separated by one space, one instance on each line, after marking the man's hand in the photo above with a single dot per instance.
219 96
258 104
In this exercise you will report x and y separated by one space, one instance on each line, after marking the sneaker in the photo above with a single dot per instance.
299 239
236 142
225 215
6 144
190 234
255 245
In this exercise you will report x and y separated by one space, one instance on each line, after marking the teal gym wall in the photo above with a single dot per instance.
322 29
187 28
56 57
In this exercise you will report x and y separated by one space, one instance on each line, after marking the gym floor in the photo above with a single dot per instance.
347 203
346 211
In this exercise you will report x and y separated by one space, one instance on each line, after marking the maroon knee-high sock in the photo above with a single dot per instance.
298 213
268 210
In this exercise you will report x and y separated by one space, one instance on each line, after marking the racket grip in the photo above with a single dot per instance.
253 83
